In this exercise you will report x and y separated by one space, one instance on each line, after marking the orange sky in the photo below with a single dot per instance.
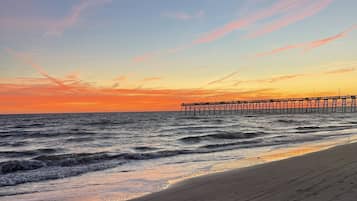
112 56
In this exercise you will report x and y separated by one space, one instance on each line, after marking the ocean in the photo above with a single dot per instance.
117 156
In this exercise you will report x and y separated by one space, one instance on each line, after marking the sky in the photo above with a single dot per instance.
152 55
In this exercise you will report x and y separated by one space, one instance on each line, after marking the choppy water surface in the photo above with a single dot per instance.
37 150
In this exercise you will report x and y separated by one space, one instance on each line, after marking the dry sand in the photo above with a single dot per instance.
329 175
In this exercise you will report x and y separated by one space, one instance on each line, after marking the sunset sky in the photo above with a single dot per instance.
149 55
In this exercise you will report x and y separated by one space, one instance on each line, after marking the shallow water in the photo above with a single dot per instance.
123 155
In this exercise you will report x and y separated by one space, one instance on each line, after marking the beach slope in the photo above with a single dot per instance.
329 175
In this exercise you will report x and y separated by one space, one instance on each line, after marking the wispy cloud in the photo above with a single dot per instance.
270 80
150 55
309 45
274 79
340 71
318 43
279 7
304 10
150 79
59 26
278 50
222 79
183 15
121 78
146 56
285 77
25 24
48 26
29 61
287 12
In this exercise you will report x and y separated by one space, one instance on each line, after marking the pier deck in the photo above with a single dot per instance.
325 104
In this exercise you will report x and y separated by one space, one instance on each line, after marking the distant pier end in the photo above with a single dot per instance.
327 104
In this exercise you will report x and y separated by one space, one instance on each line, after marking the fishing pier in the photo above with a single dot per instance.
327 104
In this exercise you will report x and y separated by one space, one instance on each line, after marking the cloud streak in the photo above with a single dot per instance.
279 7
305 10
145 57
271 80
309 45
183 15
150 79
29 61
220 80
340 71
324 41
47 26
287 12
58 27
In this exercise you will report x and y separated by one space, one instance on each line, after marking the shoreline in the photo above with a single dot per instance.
109 185
243 182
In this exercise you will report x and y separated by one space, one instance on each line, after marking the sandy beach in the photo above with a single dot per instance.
326 175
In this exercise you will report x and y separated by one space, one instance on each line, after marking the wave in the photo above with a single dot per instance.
49 167
6 134
80 139
34 125
190 128
26 153
100 122
290 121
14 166
51 173
109 122
250 143
13 143
313 129
145 148
73 159
222 135
307 127
179 135
48 134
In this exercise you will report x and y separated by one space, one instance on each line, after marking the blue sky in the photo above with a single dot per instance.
181 44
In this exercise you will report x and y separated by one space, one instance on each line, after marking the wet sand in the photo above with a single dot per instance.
329 175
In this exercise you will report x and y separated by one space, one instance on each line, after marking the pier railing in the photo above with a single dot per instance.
326 104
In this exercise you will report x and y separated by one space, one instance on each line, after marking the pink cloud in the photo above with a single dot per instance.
288 11
308 45
277 50
324 41
51 27
145 57
299 15
58 27
274 79
184 15
279 7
